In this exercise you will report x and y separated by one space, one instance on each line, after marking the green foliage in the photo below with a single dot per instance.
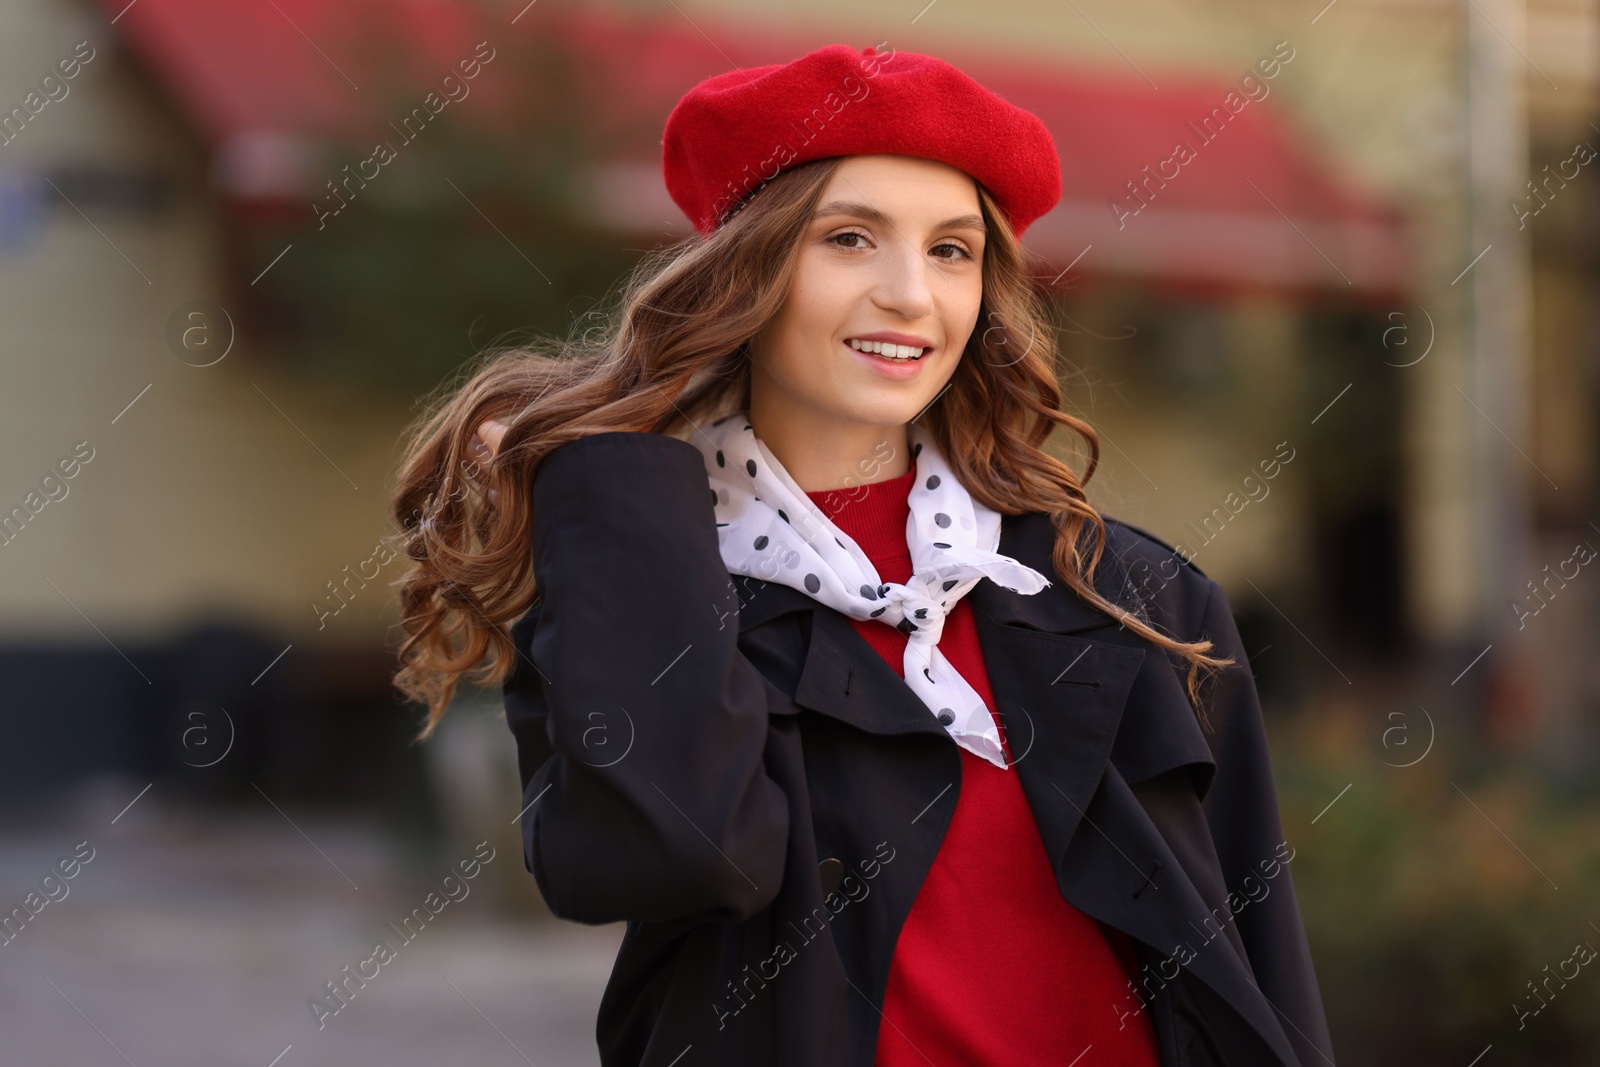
474 232
1427 924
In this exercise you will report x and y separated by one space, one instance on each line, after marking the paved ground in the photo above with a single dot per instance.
199 940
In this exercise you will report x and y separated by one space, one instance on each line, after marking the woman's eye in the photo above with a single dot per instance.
842 240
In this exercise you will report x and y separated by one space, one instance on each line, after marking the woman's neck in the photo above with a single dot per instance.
822 453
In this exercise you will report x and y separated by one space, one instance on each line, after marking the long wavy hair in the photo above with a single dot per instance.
673 355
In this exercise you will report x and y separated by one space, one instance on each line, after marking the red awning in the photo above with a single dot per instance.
1249 203
1174 182
285 66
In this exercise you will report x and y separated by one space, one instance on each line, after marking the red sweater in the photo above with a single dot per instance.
993 965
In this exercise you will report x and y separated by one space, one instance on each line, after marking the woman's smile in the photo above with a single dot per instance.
895 361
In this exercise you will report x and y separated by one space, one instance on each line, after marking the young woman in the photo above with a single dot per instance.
828 680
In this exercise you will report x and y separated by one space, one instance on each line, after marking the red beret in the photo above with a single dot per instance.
734 131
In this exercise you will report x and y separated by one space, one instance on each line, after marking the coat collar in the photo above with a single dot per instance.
839 680
1041 663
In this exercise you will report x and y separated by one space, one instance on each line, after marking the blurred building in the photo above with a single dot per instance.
1329 356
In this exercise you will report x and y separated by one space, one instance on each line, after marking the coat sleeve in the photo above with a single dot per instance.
640 726
1242 810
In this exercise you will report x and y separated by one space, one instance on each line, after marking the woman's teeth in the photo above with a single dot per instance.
887 351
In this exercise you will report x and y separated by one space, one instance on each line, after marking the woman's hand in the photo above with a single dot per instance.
485 445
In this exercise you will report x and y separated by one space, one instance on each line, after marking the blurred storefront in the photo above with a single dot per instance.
1263 261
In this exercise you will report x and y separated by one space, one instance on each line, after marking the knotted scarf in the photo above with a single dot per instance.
768 528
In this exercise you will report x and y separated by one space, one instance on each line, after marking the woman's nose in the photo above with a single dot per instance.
904 286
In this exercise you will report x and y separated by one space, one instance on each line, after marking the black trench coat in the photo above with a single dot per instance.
724 764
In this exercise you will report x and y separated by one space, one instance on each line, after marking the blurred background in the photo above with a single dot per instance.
1324 276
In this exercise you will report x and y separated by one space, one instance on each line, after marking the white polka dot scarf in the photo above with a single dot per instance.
770 529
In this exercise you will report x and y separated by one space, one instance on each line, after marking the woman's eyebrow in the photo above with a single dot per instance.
872 214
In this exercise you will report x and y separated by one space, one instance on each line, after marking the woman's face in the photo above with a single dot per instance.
893 254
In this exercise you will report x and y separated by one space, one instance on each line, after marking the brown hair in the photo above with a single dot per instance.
672 356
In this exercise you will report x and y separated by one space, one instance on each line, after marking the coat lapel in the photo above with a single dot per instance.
841 676
1061 695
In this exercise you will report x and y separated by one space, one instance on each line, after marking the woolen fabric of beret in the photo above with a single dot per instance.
735 131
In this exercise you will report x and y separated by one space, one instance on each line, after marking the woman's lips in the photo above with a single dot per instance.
898 369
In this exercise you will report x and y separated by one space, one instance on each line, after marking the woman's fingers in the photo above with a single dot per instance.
486 442
485 445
